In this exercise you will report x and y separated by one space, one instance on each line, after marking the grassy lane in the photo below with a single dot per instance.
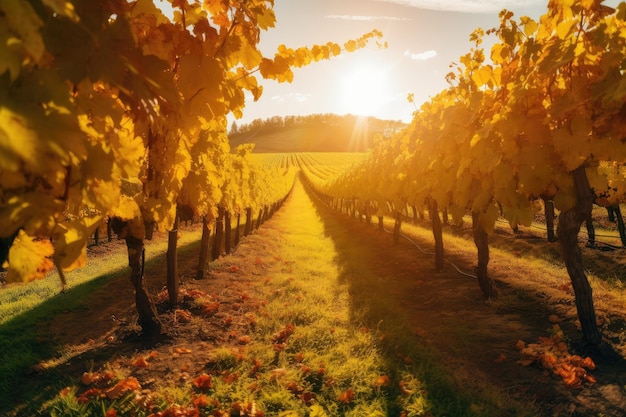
297 322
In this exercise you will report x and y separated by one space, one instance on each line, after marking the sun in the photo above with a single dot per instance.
364 90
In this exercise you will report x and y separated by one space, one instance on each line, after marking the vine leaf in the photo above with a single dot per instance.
29 258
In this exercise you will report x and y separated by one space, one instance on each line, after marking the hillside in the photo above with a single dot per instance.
327 133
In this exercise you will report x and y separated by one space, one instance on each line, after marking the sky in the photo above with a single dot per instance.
424 37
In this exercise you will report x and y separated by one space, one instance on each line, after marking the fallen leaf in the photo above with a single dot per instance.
383 381
122 387
203 382
347 396
140 362
182 316
501 358
553 318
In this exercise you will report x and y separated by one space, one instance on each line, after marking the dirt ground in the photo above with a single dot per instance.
478 339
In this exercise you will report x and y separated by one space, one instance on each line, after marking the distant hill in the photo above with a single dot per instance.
320 133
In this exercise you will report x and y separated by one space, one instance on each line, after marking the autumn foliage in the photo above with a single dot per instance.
552 354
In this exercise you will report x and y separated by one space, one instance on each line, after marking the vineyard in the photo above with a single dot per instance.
246 338
443 272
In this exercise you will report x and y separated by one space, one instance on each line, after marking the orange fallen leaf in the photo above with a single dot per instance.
501 358
140 362
210 308
122 387
200 401
404 388
182 316
89 378
383 381
553 318
347 396
307 397
203 382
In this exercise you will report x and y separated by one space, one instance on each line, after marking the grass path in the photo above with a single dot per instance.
107 256
314 314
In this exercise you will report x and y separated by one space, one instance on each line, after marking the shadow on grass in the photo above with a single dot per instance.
437 326
28 342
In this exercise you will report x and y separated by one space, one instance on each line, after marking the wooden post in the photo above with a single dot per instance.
216 250
396 227
548 209
620 223
237 229
204 247
172 264
227 232
248 229
437 234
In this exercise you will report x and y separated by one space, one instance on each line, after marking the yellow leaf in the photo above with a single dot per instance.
127 209
564 29
482 75
26 24
302 57
63 8
488 218
350 46
530 26
266 19
29 258
17 140
10 59
34 211
71 242
131 151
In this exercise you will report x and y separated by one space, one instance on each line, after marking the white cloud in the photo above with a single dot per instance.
364 18
469 6
298 97
421 56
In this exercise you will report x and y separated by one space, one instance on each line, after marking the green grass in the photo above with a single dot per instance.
21 298
26 308
324 342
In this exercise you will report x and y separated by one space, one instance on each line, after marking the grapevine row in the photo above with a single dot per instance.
110 109
542 119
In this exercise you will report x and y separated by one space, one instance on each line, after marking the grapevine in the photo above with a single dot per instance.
111 110
539 116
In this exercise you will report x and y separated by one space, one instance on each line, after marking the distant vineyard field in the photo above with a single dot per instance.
323 165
